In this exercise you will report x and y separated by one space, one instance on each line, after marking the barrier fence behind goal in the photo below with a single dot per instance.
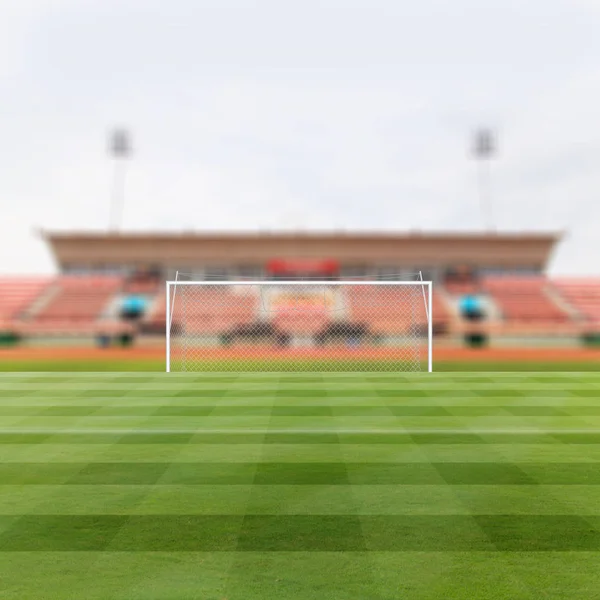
315 326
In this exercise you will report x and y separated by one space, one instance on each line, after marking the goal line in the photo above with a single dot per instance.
313 431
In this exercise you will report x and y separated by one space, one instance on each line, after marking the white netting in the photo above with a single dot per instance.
307 326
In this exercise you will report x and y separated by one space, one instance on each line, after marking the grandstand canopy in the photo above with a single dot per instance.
233 250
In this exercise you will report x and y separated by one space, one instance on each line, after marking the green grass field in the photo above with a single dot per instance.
298 486
158 366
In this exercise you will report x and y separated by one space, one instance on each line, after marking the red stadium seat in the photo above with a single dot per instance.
17 294
525 300
583 295
78 300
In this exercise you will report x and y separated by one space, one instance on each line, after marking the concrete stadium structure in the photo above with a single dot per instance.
99 272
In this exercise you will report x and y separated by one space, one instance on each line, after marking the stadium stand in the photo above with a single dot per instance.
366 306
461 281
524 300
214 311
72 306
462 288
78 299
583 295
154 321
17 294
439 309
142 284
301 324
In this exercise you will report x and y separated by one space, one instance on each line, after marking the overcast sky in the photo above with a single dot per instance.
325 114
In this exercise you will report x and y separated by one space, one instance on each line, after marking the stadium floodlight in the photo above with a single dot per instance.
309 326
120 149
484 149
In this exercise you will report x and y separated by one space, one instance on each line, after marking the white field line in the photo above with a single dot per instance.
211 431
276 374
366 395
285 385
239 389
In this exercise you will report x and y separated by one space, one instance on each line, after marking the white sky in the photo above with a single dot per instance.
340 114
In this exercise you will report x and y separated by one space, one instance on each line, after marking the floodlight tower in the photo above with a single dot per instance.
120 150
484 150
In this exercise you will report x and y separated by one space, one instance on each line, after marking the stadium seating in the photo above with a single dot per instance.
209 312
525 300
301 324
583 296
462 288
142 286
441 316
375 309
77 300
155 319
58 306
77 305
17 294
215 311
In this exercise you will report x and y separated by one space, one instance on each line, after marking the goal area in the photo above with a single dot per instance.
308 326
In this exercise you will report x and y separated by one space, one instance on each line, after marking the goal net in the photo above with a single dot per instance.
309 326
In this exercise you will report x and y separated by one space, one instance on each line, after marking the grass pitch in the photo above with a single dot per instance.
146 365
298 486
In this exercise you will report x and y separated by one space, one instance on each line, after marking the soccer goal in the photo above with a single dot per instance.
309 326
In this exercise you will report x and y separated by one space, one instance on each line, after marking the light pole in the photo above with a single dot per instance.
484 150
120 150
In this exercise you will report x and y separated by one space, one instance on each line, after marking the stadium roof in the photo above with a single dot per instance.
529 250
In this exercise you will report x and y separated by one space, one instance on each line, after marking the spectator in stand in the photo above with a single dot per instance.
133 307
471 307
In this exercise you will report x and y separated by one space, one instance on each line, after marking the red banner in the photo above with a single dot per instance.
276 266
291 302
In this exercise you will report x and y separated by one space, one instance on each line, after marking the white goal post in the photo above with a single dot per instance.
309 326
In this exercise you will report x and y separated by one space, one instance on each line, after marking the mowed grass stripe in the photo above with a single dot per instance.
215 499
244 437
295 411
298 533
309 473
337 392
347 385
463 403
302 453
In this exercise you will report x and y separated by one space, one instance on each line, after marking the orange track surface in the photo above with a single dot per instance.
442 354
